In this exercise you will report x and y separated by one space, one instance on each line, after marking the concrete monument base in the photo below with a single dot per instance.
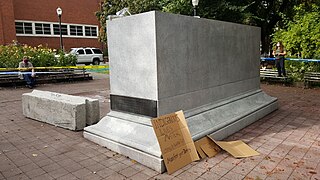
132 135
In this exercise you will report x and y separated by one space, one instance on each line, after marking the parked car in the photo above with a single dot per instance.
88 55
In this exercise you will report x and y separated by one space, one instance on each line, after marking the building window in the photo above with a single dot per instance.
51 29
76 30
23 28
90 31
64 29
42 28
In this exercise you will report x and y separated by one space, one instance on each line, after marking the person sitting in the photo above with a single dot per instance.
27 75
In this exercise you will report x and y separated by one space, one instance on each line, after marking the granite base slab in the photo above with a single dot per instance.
132 135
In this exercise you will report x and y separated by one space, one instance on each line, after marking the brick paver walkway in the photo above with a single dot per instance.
288 140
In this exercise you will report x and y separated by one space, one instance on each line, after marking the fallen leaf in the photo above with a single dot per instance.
267 158
249 178
312 172
34 155
133 161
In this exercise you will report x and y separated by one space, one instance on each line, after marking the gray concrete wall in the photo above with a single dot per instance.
181 62
202 61
132 54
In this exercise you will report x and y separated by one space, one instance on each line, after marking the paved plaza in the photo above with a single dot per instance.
288 141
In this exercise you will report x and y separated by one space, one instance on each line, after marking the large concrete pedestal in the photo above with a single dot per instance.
161 63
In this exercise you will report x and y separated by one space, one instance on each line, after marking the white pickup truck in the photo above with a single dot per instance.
87 55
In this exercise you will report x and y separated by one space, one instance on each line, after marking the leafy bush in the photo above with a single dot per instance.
66 59
11 55
298 68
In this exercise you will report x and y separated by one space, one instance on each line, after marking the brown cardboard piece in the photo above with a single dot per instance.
175 141
206 147
237 149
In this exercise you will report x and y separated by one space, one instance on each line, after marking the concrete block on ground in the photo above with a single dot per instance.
66 111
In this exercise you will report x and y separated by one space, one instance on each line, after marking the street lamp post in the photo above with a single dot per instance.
59 13
195 3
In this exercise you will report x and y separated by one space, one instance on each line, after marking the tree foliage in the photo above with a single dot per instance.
302 35
266 14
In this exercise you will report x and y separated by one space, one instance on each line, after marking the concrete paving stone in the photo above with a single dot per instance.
244 168
210 175
58 173
100 158
87 162
298 152
116 176
28 167
234 176
11 172
188 175
22 162
227 163
164 176
91 177
219 170
255 175
35 172
149 172
138 166
90 152
128 172
19 176
68 177
43 177
109 162
59 157
66 162
203 164
128 161
73 167
140 176
264 150
105 172
300 175
82 172
95 167
300 128
118 167
280 172
197 171
51 167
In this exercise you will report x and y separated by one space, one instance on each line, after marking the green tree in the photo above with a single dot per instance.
301 34
266 14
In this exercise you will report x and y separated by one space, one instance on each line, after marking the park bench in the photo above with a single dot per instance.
270 75
311 77
46 75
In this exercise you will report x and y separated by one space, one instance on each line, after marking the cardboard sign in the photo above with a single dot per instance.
175 141
206 147
237 149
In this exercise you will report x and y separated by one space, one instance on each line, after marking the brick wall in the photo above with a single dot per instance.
74 12
7 26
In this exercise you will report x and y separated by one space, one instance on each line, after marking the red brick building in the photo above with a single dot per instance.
35 22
